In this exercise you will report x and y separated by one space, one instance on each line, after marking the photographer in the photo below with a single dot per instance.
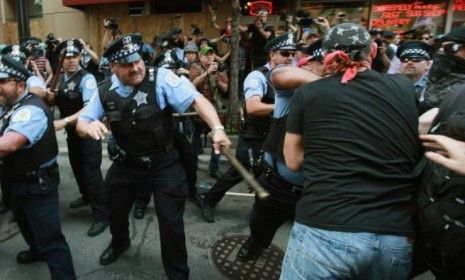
212 81
261 32
38 63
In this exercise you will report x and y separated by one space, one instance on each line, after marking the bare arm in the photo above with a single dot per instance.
425 120
49 70
207 112
72 119
40 92
10 142
289 77
293 151
256 107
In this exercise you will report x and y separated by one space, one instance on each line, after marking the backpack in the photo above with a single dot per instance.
440 217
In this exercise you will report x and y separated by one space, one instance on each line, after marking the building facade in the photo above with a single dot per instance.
83 18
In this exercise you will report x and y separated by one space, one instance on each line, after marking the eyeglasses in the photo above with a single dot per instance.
412 59
286 53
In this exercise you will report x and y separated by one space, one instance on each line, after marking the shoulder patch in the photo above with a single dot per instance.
91 84
172 80
23 115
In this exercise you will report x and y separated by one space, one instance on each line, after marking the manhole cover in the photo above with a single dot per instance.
223 254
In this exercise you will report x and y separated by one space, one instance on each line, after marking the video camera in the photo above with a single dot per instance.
304 19
111 23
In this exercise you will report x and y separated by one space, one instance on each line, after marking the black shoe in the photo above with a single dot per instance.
80 202
139 212
112 253
97 227
4 208
207 212
25 257
248 252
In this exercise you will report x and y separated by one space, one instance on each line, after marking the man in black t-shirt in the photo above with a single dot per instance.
261 33
355 135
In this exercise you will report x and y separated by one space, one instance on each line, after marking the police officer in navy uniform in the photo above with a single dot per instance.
283 184
28 153
259 105
34 85
138 105
76 87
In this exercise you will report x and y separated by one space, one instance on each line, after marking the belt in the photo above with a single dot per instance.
275 178
35 175
146 161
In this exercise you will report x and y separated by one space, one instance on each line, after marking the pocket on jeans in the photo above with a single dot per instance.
400 268
323 257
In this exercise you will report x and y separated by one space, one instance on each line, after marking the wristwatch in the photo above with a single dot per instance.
217 127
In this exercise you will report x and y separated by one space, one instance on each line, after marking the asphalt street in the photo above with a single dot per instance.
143 259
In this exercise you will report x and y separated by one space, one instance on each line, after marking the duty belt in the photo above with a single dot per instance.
36 175
145 161
275 178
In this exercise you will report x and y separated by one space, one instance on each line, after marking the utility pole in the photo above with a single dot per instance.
22 17
234 71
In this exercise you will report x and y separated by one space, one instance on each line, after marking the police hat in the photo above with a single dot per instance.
17 52
283 42
414 49
69 48
456 35
125 49
315 50
10 68
166 59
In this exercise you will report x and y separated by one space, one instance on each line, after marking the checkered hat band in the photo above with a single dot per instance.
127 50
12 72
316 53
412 52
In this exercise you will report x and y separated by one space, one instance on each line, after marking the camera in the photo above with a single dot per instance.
196 31
222 67
302 14
112 24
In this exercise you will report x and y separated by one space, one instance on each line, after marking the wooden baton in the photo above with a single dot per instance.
248 177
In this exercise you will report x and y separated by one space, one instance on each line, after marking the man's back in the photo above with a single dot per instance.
361 145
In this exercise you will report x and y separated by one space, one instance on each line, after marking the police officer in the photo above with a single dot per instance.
28 152
415 61
138 104
284 185
259 96
76 87
34 85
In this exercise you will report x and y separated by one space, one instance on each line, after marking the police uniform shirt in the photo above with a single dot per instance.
87 87
255 84
34 81
282 100
30 121
177 92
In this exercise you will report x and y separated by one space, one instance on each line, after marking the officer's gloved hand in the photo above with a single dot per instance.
115 153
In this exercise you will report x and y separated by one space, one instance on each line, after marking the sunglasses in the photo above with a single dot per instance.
412 59
286 53
452 48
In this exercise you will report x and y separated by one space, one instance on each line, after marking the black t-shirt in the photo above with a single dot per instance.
361 146
258 41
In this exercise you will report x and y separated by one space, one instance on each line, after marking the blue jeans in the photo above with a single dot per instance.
314 253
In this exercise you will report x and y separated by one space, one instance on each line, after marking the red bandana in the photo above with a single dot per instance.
339 61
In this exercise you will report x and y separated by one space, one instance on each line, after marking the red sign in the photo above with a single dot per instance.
389 15
459 5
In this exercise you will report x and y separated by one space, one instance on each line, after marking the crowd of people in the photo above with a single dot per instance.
335 124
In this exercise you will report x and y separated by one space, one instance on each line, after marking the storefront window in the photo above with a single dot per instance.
339 12
401 16
35 8
458 18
